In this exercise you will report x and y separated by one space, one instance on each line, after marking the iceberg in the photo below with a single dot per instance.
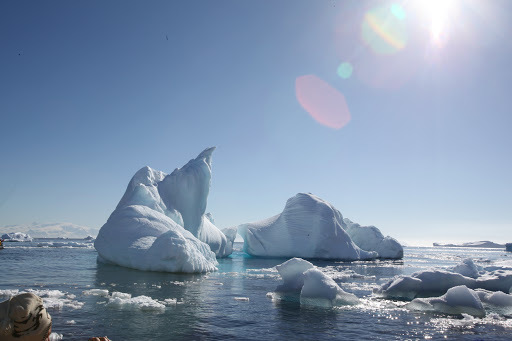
313 287
310 227
482 244
370 238
16 237
160 222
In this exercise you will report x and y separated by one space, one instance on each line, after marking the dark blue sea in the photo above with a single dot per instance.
231 303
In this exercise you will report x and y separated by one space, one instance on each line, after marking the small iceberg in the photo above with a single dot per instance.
312 286
16 237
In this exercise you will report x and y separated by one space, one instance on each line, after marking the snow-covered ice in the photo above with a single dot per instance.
308 227
160 222
16 237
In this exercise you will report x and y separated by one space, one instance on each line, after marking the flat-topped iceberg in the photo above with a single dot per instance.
312 286
16 237
482 244
310 227
160 222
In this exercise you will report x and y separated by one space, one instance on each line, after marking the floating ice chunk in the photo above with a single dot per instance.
9 292
241 299
56 337
170 301
496 298
456 301
312 286
308 227
16 237
121 295
321 290
123 300
370 238
96 292
423 283
467 268
71 322
292 273
64 244
435 282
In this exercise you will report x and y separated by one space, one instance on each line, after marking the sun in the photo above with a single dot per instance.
438 12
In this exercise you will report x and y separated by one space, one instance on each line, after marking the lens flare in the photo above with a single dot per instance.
384 29
323 102
345 70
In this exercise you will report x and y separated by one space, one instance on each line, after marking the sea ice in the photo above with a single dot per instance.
434 282
160 222
467 268
313 287
123 300
308 227
370 238
16 237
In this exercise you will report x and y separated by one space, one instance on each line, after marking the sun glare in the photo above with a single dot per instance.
438 13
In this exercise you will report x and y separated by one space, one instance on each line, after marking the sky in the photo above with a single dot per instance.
397 113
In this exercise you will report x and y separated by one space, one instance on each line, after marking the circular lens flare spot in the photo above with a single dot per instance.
345 70
384 29
398 11
323 102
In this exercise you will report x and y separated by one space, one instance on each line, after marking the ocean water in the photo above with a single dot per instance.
231 303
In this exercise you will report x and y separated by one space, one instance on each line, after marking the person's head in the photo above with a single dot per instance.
24 318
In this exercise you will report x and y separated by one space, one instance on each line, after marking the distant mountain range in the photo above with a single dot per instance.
51 230
483 243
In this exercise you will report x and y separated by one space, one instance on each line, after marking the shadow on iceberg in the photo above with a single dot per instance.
160 222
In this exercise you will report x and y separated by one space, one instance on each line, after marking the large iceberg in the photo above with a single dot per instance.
160 222
310 227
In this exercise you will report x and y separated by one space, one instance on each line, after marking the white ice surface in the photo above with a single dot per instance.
160 222
321 290
456 301
308 227
434 281
370 238
141 238
313 287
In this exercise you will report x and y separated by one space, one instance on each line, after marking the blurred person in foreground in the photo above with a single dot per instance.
24 318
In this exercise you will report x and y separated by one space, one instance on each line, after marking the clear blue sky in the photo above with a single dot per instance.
91 91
